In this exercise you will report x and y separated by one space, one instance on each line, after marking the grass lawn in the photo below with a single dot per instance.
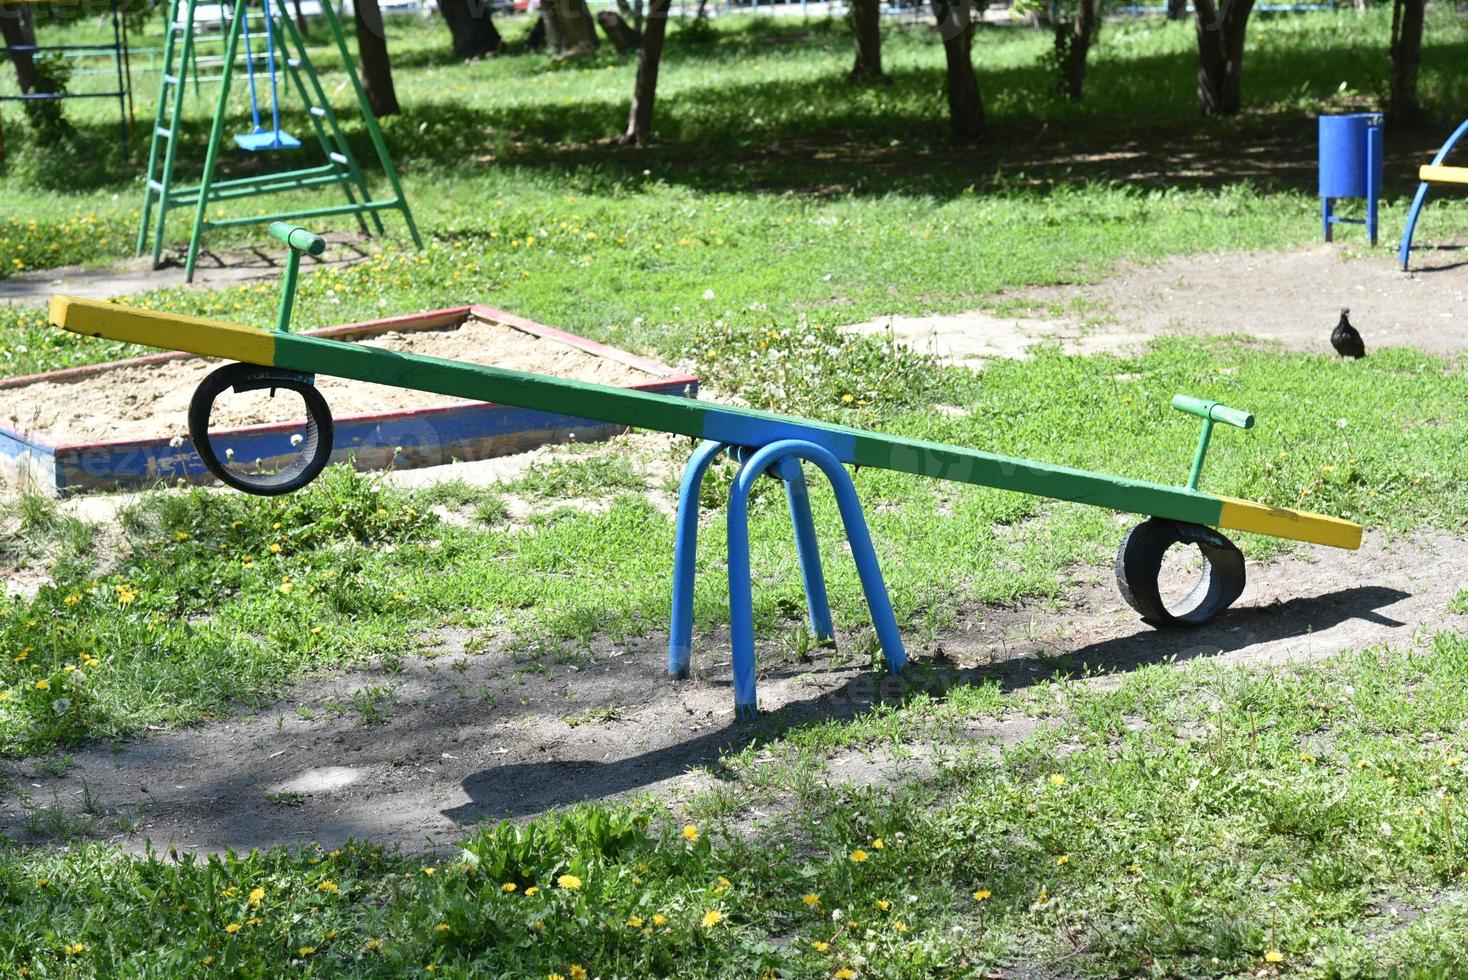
1179 820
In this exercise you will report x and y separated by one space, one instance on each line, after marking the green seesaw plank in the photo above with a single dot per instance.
684 416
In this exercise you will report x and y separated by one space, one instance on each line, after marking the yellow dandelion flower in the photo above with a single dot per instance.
845 973
1274 956
232 928
878 844
690 833
252 922
635 922
1056 779
274 548
508 887
659 920
43 684
328 886
900 926
441 927
257 895
712 918
554 976
820 946
982 895
859 856
569 882
812 899
208 960
430 871
374 945
306 950
577 972
883 905
1062 860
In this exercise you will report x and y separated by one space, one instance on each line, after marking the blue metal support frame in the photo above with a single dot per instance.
1419 201
782 459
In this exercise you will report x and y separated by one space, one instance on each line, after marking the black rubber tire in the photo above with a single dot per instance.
1139 563
315 450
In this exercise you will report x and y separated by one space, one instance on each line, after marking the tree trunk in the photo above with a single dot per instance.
472 27
1075 48
569 29
17 31
535 40
372 55
1406 57
639 120
622 36
1221 54
866 31
965 105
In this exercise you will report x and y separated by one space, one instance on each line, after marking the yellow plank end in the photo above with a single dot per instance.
1439 174
1282 522
170 331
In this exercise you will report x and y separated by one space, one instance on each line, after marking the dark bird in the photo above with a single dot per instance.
1346 339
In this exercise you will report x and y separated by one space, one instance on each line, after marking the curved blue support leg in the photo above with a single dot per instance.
817 603
1404 254
685 554
741 603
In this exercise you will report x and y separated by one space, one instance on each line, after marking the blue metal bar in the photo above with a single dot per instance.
741 600
817 603
1421 198
685 554
1373 179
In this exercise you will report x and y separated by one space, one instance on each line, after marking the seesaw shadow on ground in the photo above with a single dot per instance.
467 738
518 790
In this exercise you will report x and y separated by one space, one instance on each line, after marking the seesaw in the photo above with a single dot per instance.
762 442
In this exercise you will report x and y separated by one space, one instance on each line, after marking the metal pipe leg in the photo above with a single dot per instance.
741 603
1373 180
1327 226
685 555
1405 252
817 603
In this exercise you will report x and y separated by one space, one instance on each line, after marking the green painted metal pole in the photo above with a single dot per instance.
373 130
1199 453
299 241
216 134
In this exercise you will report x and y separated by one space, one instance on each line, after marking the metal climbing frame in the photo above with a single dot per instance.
118 48
340 168
1435 172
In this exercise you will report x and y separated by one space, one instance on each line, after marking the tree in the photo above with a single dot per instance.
1221 54
18 31
372 56
866 32
965 105
1073 40
1406 57
644 90
472 27
569 29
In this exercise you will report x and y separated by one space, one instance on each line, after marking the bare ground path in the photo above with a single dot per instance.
215 270
462 737
1291 298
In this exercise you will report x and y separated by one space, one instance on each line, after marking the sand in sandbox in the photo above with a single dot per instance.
150 401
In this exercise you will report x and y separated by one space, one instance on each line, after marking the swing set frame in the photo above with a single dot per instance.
340 168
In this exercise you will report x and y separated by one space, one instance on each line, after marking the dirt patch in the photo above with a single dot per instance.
214 270
1292 298
414 756
151 400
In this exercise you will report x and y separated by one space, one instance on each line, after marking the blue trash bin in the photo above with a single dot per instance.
1350 166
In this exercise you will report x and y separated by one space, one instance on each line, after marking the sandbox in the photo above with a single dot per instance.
123 424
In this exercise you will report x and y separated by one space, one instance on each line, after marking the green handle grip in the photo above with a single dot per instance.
297 238
1212 410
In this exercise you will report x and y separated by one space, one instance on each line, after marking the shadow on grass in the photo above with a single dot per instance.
522 789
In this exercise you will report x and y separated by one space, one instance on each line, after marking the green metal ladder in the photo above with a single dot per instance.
340 168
